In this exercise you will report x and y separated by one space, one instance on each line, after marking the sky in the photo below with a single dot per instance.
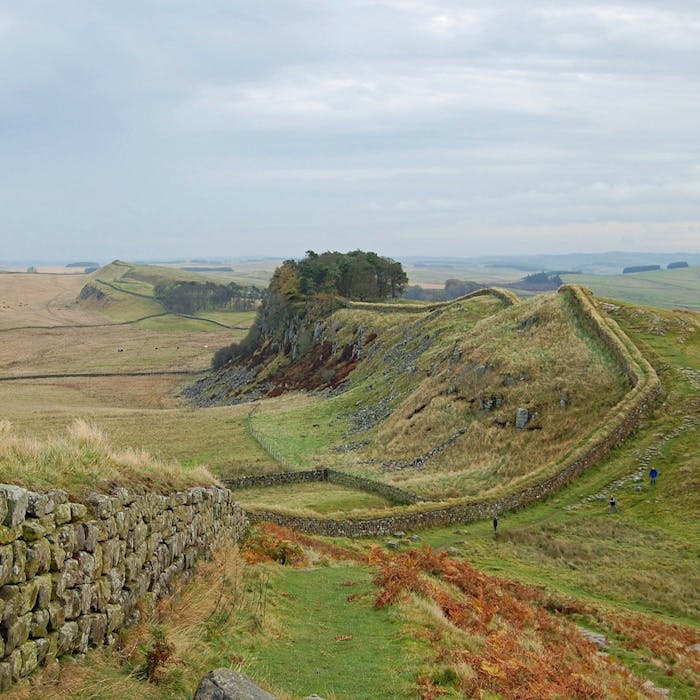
168 129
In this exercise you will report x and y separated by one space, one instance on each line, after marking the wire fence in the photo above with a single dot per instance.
265 443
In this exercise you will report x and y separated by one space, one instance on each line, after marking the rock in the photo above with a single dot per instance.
100 506
224 684
39 504
392 544
17 500
522 416
600 640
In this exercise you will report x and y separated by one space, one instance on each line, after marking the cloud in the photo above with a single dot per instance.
382 120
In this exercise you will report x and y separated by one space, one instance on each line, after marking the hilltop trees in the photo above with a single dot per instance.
303 291
355 275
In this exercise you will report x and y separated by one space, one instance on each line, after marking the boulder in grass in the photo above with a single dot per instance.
224 684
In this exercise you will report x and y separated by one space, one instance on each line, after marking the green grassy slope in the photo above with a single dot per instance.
431 405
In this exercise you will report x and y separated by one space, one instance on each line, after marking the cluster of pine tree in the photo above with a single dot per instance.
356 275
191 297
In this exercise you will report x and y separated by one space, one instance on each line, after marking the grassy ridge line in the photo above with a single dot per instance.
621 420
503 294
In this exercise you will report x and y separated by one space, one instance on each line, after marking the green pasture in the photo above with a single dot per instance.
669 289
315 498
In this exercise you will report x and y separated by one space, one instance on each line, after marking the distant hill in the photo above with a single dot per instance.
94 265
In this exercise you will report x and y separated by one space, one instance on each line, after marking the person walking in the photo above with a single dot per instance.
495 524
652 476
613 504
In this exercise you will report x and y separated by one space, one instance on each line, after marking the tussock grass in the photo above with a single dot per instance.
83 460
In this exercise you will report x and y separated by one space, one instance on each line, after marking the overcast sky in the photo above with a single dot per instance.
157 129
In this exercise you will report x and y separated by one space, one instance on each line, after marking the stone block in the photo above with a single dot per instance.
99 505
116 580
11 604
78 511
15 661
110 554
66 536
57 616
30 661
17 633
62 513
16 500
40 623
68 577
71 602
43 645
98 629
101 594
58 555
86 594
6 561
120 522
19 562
87 566
32 530
115 618
39 504
90 533
67 638
28 593
58 496
132 567
9 534
44 590
195 495
84 627
122 497
38 558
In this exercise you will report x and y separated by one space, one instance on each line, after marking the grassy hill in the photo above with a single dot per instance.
427 398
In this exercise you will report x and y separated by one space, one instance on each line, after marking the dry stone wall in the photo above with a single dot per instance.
73 574
391 493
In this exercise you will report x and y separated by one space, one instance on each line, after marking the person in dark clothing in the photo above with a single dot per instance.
495 524
613 504
652 476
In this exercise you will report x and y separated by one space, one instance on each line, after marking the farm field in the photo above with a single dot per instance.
669 289
46 332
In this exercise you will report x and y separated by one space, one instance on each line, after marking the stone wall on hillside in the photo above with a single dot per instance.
73 574
379 488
